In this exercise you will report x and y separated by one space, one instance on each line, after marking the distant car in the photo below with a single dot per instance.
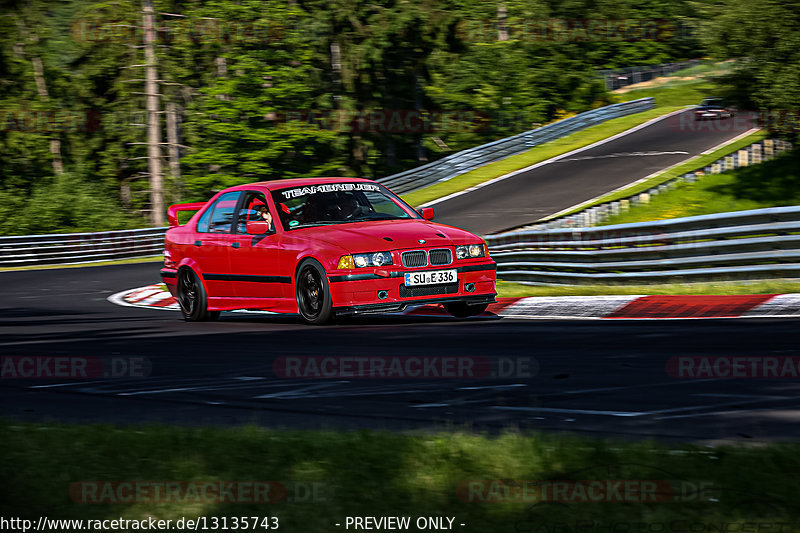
711 108
321 247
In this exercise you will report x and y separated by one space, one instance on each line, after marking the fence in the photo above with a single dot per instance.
592 216
69 248
617 78
472 158
754 244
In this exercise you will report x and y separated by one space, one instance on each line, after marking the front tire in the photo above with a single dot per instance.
313 293
192 298
463 310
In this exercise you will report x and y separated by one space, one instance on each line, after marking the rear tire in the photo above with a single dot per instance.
192 298
313 293
463 310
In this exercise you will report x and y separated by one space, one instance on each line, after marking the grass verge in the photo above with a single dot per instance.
674 93
509 289
133 260
386 474
771 184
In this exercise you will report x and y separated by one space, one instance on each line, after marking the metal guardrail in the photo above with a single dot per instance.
754 244
472 158
55 249
622 77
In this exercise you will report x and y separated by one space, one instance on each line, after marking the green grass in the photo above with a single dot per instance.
770 184
706 68
387 474
509 289
675 93
535 155
150 259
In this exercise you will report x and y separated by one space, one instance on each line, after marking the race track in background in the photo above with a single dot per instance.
550 188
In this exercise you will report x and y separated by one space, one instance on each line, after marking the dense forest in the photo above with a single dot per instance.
248 90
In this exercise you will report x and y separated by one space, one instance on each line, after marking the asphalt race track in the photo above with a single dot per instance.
598 378
548 189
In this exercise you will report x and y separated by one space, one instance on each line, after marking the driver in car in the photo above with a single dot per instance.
265 215
351 209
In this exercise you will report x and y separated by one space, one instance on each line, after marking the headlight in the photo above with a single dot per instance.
375 259
471 251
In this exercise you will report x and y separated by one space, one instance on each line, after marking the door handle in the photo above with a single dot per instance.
198 243
236 244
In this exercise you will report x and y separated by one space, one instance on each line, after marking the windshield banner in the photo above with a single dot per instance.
329 187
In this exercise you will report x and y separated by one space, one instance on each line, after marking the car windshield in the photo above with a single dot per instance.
338 203
716 102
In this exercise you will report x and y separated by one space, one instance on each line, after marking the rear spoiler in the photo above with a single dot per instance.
172 212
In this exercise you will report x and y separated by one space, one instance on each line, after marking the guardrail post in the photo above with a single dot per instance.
768 148
624 205
744 160
756 153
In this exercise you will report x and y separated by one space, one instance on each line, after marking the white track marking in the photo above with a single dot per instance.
730 141
780 305
623 154
635 413
567 306
565 411
737 412
494 387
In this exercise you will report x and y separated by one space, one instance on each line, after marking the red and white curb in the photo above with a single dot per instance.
662 307
154 296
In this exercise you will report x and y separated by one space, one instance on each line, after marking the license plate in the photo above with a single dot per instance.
430 277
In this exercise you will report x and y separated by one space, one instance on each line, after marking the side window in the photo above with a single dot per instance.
290 211
219 217
254 209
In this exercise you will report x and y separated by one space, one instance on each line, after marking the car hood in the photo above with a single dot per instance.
374 236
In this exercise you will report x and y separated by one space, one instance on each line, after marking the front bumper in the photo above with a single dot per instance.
392 307
383 290
710 115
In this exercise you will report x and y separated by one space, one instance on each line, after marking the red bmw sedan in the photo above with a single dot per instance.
321 247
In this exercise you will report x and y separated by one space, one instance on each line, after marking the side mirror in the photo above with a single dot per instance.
427 213
258 227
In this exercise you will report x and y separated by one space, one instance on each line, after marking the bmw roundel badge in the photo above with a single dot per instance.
421 241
